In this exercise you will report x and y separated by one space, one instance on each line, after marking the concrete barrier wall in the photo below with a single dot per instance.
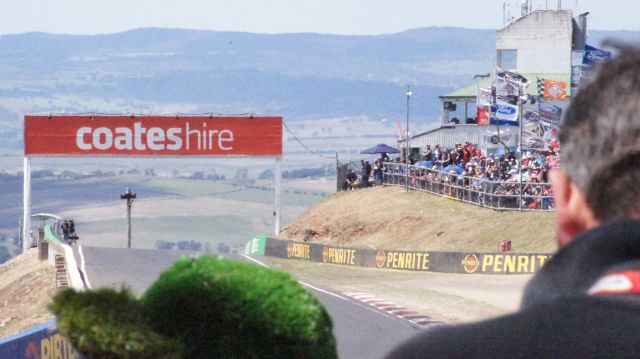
41 342
56 246
255 247
430 261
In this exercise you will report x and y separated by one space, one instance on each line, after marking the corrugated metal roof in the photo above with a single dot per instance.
469 91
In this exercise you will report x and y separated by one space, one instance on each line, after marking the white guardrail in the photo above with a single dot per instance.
55 245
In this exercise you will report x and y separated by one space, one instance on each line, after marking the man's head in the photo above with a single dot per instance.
600 139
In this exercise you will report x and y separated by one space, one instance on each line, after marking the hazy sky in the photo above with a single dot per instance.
283 16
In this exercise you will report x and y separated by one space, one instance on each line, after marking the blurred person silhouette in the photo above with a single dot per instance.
65 230
350 182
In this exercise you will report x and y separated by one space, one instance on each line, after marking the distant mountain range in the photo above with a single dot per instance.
300 76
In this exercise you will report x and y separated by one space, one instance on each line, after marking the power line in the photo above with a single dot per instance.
303 145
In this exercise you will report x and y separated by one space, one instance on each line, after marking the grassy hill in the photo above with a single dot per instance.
387 218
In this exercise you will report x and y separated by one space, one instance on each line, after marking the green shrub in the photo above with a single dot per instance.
229 309
108 324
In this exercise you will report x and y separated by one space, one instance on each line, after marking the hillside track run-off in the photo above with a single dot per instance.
373 303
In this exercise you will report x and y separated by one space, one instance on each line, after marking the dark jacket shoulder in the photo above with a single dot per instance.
578 327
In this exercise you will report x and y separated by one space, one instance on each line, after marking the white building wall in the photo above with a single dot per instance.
543 40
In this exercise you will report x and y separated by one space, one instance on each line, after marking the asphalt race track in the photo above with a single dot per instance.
361 331
135 269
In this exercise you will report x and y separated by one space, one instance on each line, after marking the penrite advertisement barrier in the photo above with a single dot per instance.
446 262
41 342
129 135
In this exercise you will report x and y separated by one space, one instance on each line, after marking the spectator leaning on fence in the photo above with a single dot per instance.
585 301
492 175
377 172
427 154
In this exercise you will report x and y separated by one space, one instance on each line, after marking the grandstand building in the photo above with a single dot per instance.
541 45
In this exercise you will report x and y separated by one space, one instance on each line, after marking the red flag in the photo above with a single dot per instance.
399 126
482 116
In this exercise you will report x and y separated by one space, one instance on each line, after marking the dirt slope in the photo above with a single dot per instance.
388 218
26 287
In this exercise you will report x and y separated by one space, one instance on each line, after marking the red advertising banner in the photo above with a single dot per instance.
152 135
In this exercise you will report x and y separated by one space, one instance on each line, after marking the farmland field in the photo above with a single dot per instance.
167 209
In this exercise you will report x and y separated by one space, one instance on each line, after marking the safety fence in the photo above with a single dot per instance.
499 195
429 261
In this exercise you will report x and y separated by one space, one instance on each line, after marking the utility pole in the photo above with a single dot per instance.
406 138
129 196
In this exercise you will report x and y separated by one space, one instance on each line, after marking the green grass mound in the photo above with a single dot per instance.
230 309
109 324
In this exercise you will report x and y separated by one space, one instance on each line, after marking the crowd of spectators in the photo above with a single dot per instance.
468 174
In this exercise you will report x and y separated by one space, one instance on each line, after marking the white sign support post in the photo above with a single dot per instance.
278 192
26 214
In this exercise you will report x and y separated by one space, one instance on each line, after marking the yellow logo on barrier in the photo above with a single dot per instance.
380 259
338 255
297 250
53 347
513 263
406 260
470 263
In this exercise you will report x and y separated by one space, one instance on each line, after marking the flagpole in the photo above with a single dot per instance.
494 102
408 93
520 139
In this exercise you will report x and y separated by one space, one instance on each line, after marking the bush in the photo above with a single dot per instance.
229 309
200 308
109 324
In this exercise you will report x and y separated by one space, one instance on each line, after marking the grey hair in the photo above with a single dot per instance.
600 138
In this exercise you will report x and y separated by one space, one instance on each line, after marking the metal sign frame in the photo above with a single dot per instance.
26 216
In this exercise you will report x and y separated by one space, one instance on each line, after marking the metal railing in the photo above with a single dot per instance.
498 195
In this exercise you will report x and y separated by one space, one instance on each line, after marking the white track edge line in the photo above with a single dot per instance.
83 269
356 302
254 260
301 282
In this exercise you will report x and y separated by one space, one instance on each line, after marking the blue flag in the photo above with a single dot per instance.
549 112
593 55
504 114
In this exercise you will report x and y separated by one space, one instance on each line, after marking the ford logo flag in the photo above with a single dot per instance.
504 114
549 112
504 109
531 116
547 107
593 55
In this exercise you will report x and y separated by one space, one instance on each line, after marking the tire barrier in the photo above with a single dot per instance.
430 261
